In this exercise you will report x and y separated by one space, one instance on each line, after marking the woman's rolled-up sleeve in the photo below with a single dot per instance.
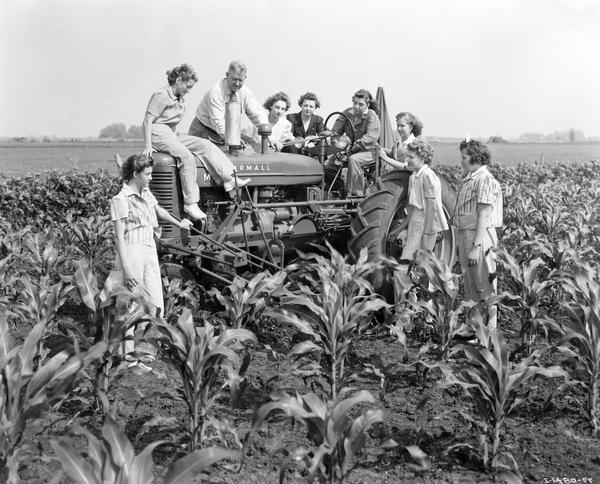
119 208
157 104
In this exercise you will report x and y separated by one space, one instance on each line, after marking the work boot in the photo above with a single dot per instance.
230 185
194 211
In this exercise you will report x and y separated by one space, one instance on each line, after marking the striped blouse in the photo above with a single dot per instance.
139 214
477 187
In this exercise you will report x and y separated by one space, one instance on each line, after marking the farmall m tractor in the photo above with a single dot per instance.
285 207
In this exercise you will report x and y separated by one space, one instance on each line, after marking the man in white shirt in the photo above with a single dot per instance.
209 122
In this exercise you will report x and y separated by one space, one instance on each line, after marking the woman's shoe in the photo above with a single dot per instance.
230 185
194 211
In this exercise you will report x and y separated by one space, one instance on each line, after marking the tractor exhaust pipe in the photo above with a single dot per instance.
264 130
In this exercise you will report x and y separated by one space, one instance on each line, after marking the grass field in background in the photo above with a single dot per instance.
21 158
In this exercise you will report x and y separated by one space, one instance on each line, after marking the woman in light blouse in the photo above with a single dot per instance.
281 129
426 216
409 128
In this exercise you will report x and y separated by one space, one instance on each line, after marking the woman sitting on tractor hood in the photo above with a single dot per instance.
364 119
164 112
306 124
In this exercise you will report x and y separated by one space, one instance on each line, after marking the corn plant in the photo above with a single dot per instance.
495 386
92 238
111 459
337 437
556 255
40 303
27 393
209 364
244 301
583 333
178 295
6 282
40 257
332 309
551 218
440 303
527 283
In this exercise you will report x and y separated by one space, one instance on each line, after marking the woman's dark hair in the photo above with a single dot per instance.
477 151
422 149
309 96
185 72
133 165
415 123
278 96
368 97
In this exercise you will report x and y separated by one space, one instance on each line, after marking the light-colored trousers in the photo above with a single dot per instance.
476 278
415 238
185 148
143 261
355 184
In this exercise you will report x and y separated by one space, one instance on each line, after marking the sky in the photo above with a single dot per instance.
494 67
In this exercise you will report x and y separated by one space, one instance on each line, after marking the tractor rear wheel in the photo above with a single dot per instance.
376 224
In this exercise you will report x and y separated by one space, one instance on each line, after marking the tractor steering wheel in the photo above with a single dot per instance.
348 122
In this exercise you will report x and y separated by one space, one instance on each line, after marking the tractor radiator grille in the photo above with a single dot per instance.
162 186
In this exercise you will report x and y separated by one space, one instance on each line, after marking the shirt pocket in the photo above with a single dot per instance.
467 202
134 218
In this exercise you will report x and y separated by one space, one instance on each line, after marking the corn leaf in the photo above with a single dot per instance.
197 462
74 464
120 448
141 469
86 284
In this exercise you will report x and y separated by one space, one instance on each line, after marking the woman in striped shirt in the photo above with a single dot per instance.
135 211
477 215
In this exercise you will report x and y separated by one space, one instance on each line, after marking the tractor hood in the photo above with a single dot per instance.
263 169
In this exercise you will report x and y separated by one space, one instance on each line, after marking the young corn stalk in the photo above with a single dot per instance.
337 437
92 238
178 295
111 459
40 303
244 301
27 393
496 386
439 304
209 364
583 334
42 288
525 281
337 302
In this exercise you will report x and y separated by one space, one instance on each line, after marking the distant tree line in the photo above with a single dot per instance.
120 131
568 136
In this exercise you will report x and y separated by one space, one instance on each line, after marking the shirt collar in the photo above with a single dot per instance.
228 92
128 191
421 170
482 170
359 116
172 95
407 141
